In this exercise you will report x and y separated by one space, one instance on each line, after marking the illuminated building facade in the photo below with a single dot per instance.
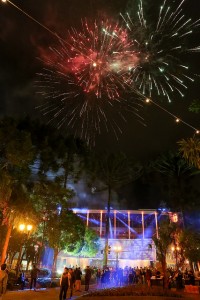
131 230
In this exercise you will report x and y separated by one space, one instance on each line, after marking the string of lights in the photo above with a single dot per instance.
176 118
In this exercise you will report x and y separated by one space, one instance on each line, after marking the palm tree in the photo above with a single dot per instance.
175 177
190 150
113 170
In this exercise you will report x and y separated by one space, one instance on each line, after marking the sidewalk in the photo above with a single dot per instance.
53 294
41 294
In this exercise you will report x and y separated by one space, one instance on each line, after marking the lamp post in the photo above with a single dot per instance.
117 250
24 229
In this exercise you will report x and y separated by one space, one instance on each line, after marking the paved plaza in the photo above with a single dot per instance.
41 294
53 294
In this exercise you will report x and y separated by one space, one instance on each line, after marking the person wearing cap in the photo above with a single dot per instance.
3 280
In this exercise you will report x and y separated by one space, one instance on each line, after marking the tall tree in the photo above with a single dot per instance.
113 171
49 197
189 241
65 230
176 176
167 231
16 155
63 157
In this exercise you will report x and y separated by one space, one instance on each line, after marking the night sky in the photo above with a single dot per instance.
21 41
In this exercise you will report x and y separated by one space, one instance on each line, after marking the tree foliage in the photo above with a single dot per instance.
91 243
195 106
65 231
167 231
190 150
111 171
189 240
176 178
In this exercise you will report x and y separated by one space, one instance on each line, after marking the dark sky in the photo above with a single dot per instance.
21 41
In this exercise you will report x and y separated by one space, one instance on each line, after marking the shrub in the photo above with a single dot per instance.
133 291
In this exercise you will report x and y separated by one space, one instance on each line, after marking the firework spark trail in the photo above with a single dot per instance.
100 58
87 84
161 70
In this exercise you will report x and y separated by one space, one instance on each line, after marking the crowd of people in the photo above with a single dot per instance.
71 280
108 277
112 277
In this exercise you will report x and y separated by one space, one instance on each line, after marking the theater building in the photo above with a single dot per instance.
130 237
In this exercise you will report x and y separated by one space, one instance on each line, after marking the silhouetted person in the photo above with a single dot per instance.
72 279
64 284
78 275
179 280
88 275
191 278
22 280
34 275
3 280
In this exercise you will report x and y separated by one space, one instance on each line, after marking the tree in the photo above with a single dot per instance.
176 177
113 171
167 231
91 243
16 154
190 150
189 241
65 231
195 106
49 197
59 159
63 157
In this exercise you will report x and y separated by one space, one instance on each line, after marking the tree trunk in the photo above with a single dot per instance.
105 258
6 242
164 269
12 258
55 256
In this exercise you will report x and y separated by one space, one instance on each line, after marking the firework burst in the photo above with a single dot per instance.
163 46
87 80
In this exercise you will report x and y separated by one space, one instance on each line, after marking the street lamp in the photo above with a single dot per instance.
117 250
25 229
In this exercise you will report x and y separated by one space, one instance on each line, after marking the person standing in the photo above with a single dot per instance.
34 275
3 280
78 275
21 280
64 284
98 276
72 279
88 274
148 275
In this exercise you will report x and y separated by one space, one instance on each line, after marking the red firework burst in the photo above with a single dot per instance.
88 77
